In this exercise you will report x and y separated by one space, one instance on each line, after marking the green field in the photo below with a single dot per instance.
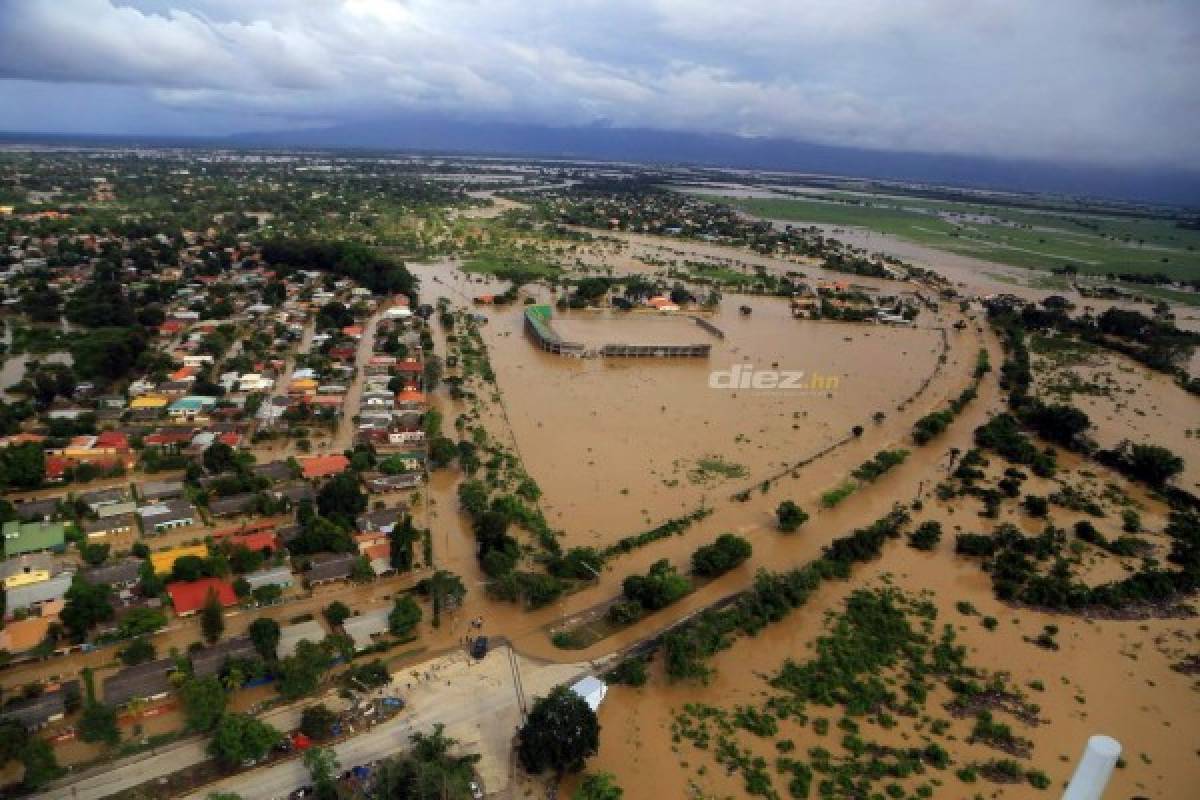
1094 244
504 265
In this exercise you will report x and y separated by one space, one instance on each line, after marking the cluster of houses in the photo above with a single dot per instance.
41 564
393 403
842 300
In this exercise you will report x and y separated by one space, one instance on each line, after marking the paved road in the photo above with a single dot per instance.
136 770
343 438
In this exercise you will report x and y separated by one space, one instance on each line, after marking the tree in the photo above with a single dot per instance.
86 605
138 651
99 724
322 765
1153 464
427 771
94 554
441 451
316 722
790 516
561 733
473 497
300 673
240 738
141 621
661 586
1059 422
341 498
404 616
600 786
203 701
727 552
22 466
219 457
41 766
264 632
402 538
445 590
926 536
337 612
212 617
1036 505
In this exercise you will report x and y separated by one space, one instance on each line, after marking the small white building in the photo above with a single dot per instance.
592 690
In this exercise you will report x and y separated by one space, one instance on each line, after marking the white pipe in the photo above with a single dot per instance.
1094 770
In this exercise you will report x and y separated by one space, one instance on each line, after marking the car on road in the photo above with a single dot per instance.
476 791
479 647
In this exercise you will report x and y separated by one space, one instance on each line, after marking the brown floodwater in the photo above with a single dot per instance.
617 445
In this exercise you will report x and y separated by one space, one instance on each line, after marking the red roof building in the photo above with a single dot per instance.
324 466
188 597
166 438
114 439
257 541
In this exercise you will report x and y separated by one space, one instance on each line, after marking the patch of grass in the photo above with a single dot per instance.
713 469
837 494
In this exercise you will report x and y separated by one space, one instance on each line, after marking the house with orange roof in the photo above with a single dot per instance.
410 400
324 466
257 541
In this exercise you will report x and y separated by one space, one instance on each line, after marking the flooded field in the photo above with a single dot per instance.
1114 677
1124 400
618 444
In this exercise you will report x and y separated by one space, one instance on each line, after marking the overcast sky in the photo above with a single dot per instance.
1105 81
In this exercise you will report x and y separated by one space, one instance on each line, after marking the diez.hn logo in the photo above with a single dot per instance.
745 376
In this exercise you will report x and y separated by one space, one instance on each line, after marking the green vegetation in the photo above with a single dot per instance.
882 658
1024 237
790 516
428 770
772 596
837 494
560 733
727 552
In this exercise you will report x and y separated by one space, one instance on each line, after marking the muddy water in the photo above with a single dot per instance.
1140 405
636 741
1122 680
617 444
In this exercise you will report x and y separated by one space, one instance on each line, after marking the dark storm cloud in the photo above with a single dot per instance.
1097 80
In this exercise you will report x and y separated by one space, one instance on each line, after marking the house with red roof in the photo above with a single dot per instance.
257 541
168 438
324 466
188 597
114 440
